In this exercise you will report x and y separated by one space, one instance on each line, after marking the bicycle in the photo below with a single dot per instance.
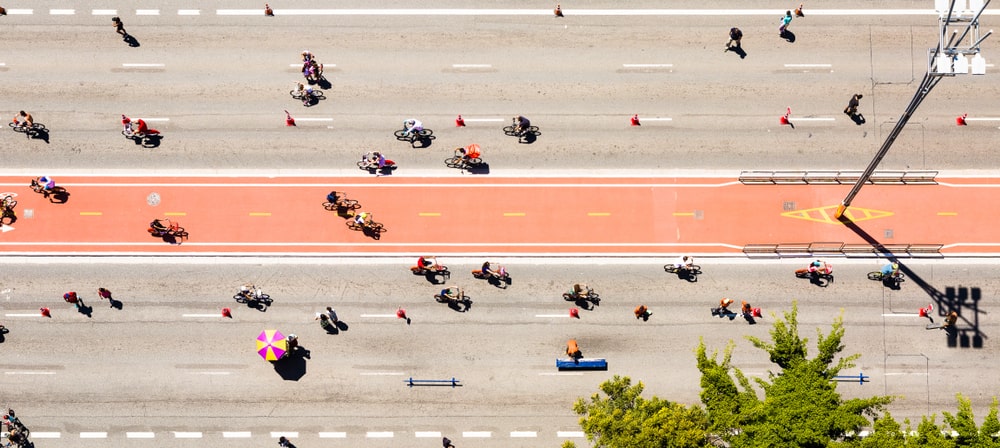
298 94
462 162
56 191
374 229
512 131
170 229
879 276
691 272
7 204
34 130
347 204
423 134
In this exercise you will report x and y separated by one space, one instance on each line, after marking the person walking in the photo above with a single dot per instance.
71 297
333 314
268 11
3 11
852 105
949 321
785 21
735 36
558 11
104 294
119 26
642 312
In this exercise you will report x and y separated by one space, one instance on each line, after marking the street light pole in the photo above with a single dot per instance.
944 60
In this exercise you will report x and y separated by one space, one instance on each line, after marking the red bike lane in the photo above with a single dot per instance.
487 215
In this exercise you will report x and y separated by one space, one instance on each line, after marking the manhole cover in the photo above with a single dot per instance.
153 199
789 206
888 233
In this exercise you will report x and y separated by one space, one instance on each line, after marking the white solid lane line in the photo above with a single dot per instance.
189 12
477 120
569 434
647 65
523 434
808 65
379 434
29 372
141 65
45 435
93 435
186 435
104 12
147 12
139 435
62 12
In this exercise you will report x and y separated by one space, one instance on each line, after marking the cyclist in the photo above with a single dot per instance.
26 120
581 290
642 312
364 219
306 56
337 199
412 126
890 270
684 263
451 293
746 309
126 125
428 263
44 184
8 204
521 124
724 305
468 153
141 127
485 271
159 227
248 291
819 267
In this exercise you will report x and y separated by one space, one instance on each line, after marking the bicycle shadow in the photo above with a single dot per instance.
131 41
425 141
375 234
528 138
322 83
739 51
480 168
460 306
59 197
40 134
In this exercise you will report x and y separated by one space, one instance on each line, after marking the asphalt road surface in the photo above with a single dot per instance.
167 365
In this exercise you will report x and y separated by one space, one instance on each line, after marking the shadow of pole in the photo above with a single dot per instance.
952 299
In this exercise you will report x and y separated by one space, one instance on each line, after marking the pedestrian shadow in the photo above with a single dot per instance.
323 84
788 36
739 51
858 119
342 326
293 367
86 310
116 304
723 313
131 40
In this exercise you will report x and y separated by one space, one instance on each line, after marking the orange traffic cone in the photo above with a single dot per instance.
45 312
268 11
289 121
925 312
960 121
558 11
401 313
226 312
798 11
635 120
784 118
755 312
574 313
459 122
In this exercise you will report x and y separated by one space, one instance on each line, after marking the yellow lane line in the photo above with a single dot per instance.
175 214
514 214
598 214
428 214
947 213
260 213
683 213
91 213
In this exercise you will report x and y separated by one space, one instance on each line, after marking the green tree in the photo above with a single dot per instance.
801 406
886 433
624 419
964 423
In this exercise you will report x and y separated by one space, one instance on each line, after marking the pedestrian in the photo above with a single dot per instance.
324 321
283 442
949 321
641 312
119 26
3 11
333 314
735 36
446 443
852 105
268 11
787 19
104 294
558 11
798 11
71 297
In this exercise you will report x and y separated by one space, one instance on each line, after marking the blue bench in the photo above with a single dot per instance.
582 364
452 382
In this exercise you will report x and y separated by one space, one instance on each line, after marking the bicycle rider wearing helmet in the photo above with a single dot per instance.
468 153
159 226
364 219
412 125
890 270
27 121
46 183
521 124
684 262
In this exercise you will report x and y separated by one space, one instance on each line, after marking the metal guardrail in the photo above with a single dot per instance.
808 177
452 382
861 378
835 248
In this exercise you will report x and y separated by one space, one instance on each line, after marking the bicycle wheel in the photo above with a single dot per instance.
295 94
876 275
453 162
319 94
424 133
376 228
509 131
363 164
669 268
57 190
17 128
353 205
531 130
401 135
329 206
476 161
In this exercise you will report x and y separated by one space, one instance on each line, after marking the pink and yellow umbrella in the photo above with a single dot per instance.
271 345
